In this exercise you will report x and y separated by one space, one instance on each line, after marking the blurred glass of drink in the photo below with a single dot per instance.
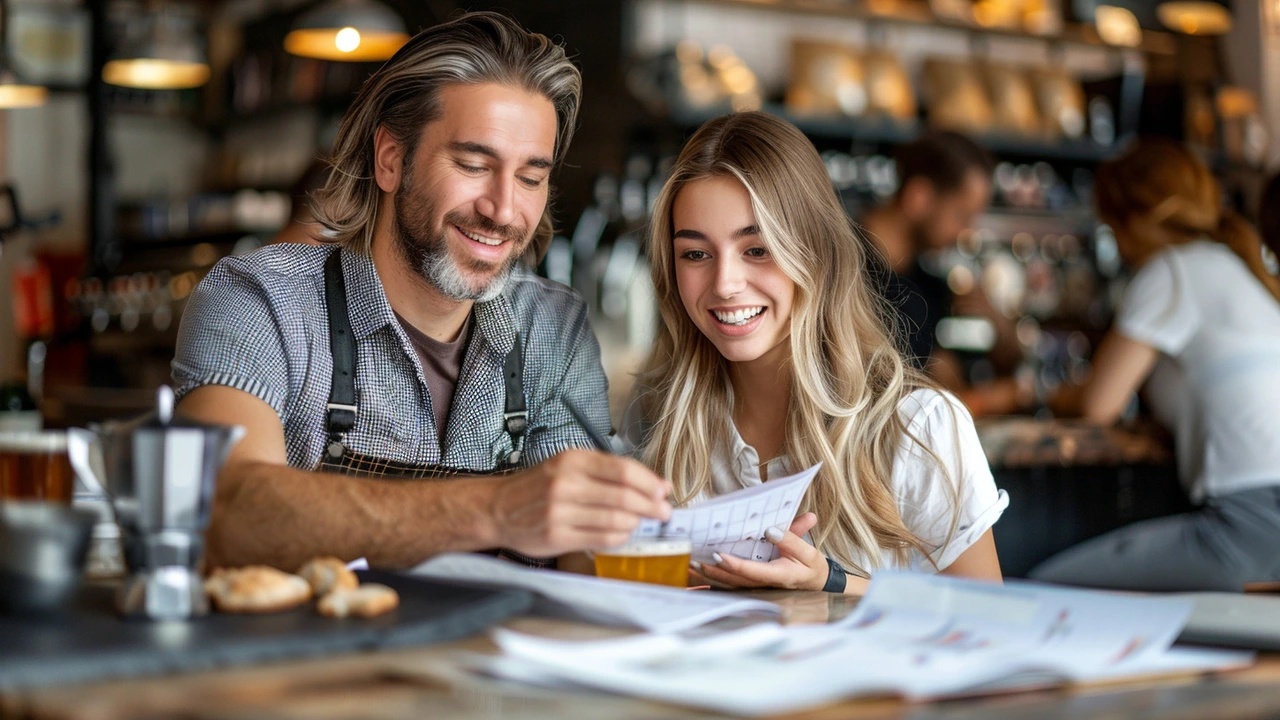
661 561
34 466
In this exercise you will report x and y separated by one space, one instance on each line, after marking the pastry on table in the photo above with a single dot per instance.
256 589
326 574
368 600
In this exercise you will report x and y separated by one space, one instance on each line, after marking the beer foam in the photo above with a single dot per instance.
49 441
650 548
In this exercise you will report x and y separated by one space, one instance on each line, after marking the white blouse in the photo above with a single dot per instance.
920 487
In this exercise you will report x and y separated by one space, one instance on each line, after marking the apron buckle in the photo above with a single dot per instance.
516 422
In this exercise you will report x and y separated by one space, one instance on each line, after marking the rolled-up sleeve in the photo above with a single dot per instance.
230 336
946 494
1159 309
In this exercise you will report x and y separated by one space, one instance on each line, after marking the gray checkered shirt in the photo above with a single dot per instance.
257 323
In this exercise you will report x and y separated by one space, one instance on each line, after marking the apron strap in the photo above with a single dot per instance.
515 417
340 415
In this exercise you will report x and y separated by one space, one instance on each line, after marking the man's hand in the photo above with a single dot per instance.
578 500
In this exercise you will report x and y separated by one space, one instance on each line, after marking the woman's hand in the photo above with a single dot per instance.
799 566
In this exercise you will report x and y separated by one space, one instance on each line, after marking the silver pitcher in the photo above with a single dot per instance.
159 474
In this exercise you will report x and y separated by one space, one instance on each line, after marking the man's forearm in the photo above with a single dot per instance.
281 516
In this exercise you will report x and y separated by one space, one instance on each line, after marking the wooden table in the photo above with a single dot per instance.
431 683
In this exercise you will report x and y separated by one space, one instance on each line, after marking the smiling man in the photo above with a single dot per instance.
419 348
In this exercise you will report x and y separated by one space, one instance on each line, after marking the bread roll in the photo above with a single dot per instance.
256 589
826 79
956 96
326 574
889 89
368 600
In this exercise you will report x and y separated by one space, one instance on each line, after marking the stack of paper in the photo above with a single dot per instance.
612 602
914 636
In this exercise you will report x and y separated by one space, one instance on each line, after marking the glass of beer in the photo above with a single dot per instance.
34 466
659 560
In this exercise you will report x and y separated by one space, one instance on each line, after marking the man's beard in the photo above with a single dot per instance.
429 254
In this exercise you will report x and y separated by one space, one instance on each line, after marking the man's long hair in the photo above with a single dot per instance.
404 95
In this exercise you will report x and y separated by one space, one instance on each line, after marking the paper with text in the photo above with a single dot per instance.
915 636
613 602
734 523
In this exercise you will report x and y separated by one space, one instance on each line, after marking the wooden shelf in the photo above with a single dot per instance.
909 13
885 131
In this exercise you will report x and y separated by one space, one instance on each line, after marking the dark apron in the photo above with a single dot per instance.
341 410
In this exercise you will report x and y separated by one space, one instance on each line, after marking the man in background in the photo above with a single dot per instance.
944 185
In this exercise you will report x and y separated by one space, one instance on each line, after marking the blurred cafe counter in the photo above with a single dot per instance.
1071 480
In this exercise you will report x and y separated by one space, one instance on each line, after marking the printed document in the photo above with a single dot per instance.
612 602
914 636
734 523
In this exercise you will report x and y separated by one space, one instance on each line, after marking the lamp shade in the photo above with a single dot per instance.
1118 26
1196 17
348 31
165 55
13 92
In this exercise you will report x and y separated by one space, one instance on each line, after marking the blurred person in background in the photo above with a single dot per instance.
944 185
1200 327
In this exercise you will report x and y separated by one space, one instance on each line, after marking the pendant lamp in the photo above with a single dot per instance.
13 92
1196 17
165 55
1118 26
347 31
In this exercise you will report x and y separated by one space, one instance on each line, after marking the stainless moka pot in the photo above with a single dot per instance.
160 473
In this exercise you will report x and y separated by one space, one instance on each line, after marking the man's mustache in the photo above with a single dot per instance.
484 226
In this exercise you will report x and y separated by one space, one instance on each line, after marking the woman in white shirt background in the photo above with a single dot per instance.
773 355
1200 327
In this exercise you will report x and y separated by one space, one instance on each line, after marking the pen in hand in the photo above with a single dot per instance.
602 443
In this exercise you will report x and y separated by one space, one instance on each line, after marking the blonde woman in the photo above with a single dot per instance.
1200 327
773 356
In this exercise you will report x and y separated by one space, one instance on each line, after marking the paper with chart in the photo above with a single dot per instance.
734 523
612 602
919 637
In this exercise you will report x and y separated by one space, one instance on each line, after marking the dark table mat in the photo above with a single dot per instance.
90 642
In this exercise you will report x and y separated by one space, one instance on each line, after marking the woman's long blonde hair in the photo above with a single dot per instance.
1158 194
848 376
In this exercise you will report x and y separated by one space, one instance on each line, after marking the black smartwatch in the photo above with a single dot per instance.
836 577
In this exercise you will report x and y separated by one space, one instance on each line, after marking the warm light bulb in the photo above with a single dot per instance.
22 96
1118 26
347 39
1195 17
155 74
